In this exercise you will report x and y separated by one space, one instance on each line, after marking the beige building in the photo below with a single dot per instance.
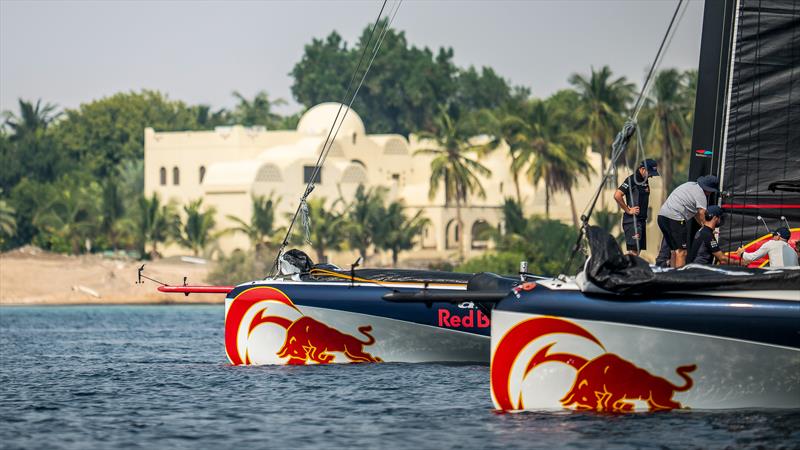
228 165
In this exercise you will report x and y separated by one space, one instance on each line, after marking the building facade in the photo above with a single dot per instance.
228 165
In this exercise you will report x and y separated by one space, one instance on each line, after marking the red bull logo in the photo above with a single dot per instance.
607 383
307 339
472 318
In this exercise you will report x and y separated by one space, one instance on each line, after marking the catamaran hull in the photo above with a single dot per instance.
544 362
302 323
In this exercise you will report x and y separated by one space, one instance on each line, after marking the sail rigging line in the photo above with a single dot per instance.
330 138
665 42
622 138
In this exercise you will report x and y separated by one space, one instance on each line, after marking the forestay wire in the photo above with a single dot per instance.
622 138
302 207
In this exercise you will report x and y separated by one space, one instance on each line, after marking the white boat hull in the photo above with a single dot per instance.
269 328
552 363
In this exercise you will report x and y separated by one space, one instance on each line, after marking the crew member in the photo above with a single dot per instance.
686 201
633 197
704 247
781 254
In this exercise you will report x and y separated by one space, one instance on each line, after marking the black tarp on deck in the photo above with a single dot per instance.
614 271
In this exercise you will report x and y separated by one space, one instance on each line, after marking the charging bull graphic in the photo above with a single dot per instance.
607 383
307 339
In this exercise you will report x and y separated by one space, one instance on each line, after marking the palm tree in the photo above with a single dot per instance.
563 108
32 118
508 127
156 223
452 165
71 217
327 228
195 233
8 222
666 116
261 228
398 231
257 111
363 216
552 149
604 104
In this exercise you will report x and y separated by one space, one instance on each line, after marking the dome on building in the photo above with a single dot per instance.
318 120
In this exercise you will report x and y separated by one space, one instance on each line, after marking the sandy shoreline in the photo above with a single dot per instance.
30 276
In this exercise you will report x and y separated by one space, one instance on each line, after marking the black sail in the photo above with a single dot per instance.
753 141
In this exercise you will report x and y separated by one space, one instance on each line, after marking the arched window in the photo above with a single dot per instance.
354 174
162 175
481 233
452 235
202 173
176 176
269 173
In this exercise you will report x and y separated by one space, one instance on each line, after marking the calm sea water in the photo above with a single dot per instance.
141 376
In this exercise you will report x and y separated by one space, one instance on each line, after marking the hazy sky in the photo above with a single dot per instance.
70 52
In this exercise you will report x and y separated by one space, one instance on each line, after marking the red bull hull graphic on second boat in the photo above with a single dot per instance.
606 383
544 363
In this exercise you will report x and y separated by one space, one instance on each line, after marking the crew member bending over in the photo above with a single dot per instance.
704 247
633 197
686 201
781 254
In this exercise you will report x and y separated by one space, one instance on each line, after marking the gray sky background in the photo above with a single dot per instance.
71 52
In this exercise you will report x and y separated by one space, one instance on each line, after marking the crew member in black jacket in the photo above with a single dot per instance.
633 197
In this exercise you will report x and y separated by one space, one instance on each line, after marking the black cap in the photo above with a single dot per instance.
783 232
652 167
709 183
714 211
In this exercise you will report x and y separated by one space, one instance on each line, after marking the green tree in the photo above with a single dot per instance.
400 93
604 103
666 117
260 230
156 223
32 119
522 239
195 232
552 149
327 228
399 231
509 128
104 133
258 111
363 218
205 118
27 146
68 218
452 167
479 90
8 221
